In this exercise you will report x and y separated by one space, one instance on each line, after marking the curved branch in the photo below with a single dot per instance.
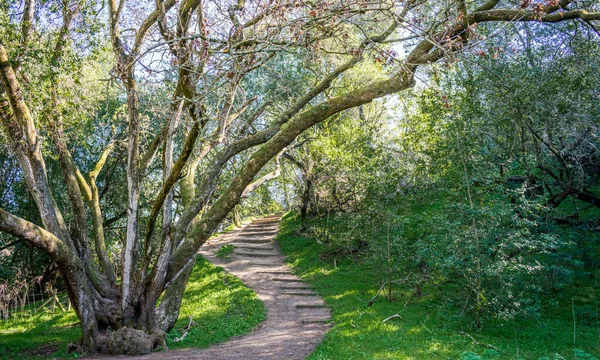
22 134
266 178
531 15
34 234
289 131
97 219
168 185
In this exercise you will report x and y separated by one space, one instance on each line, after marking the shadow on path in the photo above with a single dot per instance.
296 316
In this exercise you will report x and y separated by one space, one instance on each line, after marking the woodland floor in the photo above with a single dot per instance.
297 318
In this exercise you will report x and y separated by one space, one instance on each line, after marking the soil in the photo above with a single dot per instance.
297 318
44 351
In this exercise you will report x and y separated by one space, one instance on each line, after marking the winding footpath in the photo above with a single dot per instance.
296 316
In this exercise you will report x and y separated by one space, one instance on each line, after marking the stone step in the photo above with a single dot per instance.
314 321
285 280
262 228
247 247
253 241
257 234
253 254
312 306
254 237
298 287
275 272
295 293
265 264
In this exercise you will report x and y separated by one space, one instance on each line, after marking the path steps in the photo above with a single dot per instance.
267 265
312 306
257 252
295 293
257 247
253 254
297 317
314 321
295 288
250 241
285 280
259 231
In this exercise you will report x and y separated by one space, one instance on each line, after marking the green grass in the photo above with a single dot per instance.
36 335
425 331
225 252
219 303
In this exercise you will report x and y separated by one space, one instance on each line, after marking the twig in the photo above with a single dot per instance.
423 324
383 286
187 328
377 294
393 317
479 343
597 320
190 324
516 340
181 338
57 300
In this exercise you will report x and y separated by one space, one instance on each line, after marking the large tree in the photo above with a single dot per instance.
216 54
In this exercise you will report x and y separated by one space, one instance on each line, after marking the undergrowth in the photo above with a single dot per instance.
427 326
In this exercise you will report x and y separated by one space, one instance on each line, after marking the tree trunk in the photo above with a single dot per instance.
237 221
305 201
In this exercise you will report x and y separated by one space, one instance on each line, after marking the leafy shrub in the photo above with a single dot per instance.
467 355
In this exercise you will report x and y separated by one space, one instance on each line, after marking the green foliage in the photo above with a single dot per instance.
34 332
465 191
467 355
580 354
424 331
225 252
261 201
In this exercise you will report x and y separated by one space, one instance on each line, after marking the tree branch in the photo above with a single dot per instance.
402 80
266 178
168 185
22 134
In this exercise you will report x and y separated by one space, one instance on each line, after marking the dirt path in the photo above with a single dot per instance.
296 316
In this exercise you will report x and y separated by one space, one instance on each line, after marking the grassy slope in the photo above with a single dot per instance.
220 304
422 332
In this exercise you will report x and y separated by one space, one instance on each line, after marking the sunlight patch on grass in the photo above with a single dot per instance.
415 330
219 303
427 330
